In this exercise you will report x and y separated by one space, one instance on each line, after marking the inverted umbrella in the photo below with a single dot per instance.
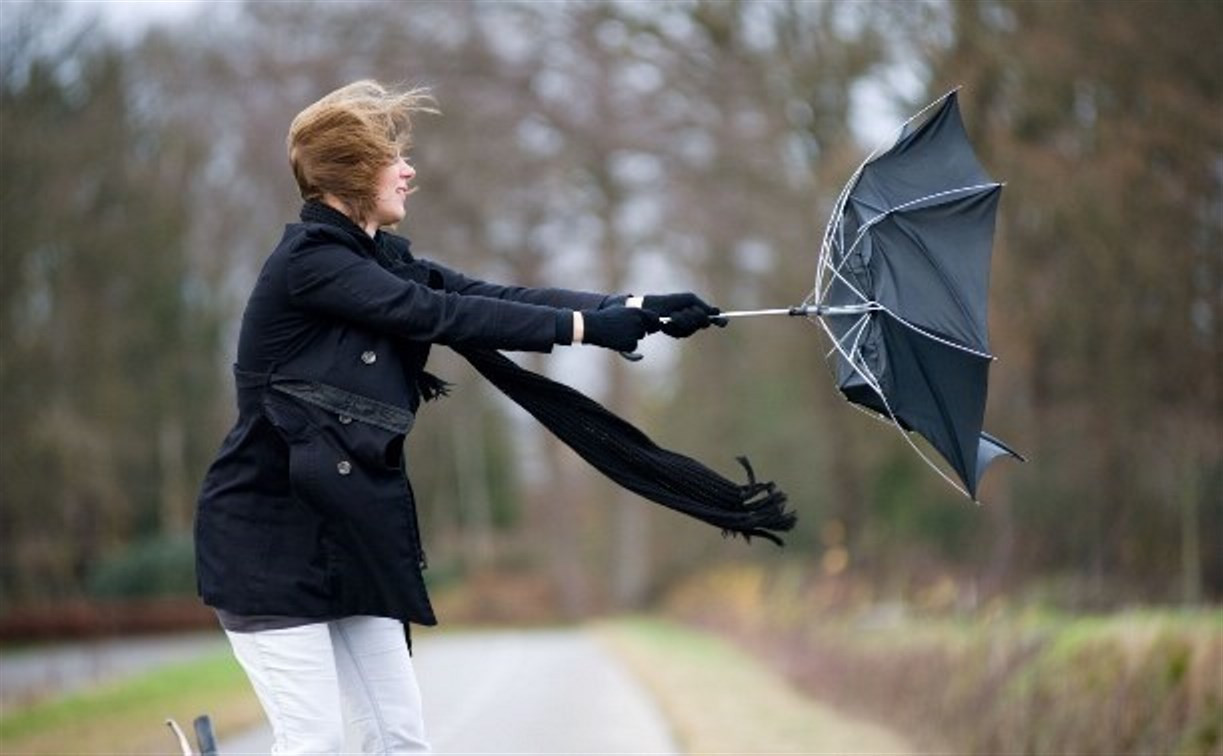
901 287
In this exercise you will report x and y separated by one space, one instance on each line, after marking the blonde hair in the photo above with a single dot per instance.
339 144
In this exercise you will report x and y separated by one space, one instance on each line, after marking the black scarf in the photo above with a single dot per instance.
613 446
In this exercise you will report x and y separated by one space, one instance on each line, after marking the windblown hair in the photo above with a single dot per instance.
339 144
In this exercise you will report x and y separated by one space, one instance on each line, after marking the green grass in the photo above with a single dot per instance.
128 717
718 699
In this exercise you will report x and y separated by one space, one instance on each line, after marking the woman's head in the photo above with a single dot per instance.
342 146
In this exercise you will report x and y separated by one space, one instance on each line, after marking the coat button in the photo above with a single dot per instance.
369 357
345 419
344 467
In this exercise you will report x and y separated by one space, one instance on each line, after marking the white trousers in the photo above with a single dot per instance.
309 678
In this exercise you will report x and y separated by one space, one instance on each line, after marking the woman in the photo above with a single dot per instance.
307 542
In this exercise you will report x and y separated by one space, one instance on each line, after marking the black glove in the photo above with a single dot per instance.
618 328
686 313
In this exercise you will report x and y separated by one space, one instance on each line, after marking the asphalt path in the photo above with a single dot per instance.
37 672
522 692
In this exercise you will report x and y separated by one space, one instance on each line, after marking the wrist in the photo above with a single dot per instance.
579 327
634 301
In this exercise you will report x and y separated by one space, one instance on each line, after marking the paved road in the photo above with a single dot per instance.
537 692
36 672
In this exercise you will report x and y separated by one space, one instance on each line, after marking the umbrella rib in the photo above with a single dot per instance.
838 275
862 372
834 220
861 331
934 336
835 227
856 330
824 263
867 375
925 458
917 200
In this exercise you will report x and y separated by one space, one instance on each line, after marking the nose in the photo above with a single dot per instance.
406 169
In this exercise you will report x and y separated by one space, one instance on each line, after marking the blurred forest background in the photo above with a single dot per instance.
644 147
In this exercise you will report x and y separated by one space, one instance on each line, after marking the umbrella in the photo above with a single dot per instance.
901 287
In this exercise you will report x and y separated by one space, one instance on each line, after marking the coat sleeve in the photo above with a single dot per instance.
459 283
333 280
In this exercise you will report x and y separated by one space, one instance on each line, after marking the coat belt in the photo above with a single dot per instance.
333 399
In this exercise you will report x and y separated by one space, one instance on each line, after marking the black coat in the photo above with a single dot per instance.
307 510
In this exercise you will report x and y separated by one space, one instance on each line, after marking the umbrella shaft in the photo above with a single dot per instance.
792 311
802 311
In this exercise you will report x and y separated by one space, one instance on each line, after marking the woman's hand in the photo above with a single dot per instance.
618 328
686 313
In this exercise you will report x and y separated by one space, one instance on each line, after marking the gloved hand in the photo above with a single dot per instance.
618 328
686 313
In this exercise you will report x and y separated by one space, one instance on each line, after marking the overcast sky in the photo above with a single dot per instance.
130 17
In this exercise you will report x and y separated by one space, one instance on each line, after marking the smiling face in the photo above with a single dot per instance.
393 185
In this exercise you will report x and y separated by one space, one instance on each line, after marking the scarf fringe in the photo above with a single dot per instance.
431 387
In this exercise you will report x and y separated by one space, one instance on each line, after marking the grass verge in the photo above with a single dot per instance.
1005 679
720 700
128 717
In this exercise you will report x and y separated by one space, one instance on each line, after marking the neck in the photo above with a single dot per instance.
334 202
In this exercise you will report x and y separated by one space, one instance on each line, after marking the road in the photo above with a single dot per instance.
37 672
536 692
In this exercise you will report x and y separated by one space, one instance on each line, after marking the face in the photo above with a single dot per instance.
394 186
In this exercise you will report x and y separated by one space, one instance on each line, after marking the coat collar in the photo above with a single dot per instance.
380 246
314 211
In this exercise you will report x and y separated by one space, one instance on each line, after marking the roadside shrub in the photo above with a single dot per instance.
994 680
155 567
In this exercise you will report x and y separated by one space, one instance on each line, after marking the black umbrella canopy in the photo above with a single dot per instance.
906 265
